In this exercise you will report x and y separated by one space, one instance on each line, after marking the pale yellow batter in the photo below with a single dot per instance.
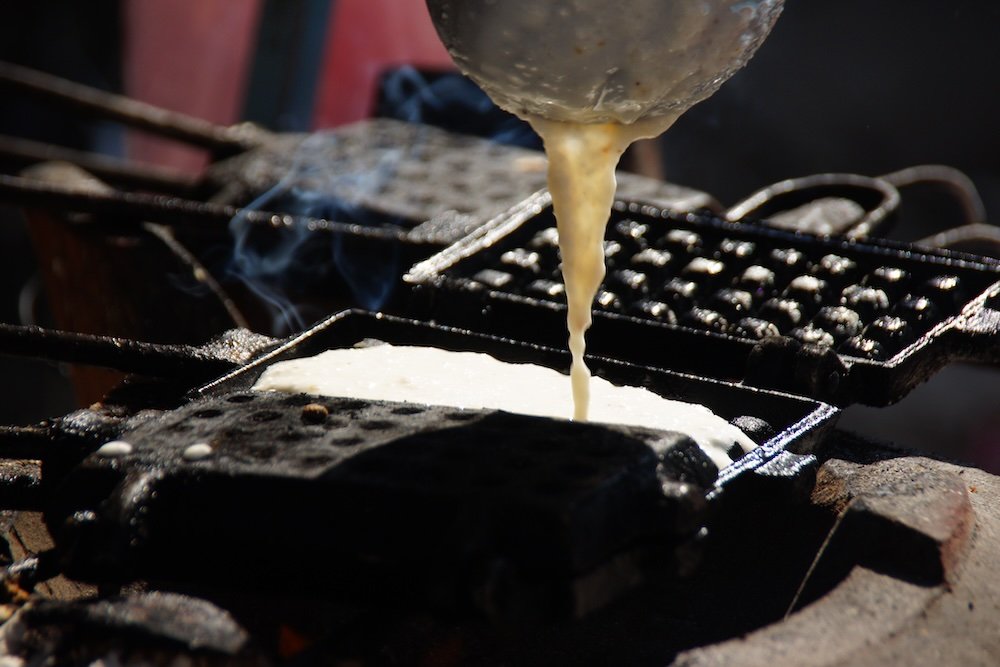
426 375
582 162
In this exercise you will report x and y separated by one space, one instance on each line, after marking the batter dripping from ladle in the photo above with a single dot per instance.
592 76
582 162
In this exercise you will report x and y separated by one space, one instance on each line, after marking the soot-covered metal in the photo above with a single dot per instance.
504 513
389 499
239 491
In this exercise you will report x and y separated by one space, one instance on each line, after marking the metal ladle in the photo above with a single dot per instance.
600 60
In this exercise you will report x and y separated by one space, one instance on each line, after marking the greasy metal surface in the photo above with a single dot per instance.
34 459
419 173
830 318
21 479
877 612
581 62
366 495
782 421
189 361
879 195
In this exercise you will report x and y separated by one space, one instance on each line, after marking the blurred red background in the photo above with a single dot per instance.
195 56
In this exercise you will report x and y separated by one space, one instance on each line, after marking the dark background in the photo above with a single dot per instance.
869 88
841 85
863 87
79 41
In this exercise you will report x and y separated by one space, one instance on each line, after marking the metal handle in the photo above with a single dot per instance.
175 212
859 228
21 153
140 115
129 356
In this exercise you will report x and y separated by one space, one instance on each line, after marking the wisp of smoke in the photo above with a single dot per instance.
276 263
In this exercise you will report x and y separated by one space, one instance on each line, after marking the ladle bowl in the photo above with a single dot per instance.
600 61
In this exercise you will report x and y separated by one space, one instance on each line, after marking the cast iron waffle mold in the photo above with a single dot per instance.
843 321
395 490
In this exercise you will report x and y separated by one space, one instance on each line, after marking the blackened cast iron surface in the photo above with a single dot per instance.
838 320
450 183
378 495
387 497
219 355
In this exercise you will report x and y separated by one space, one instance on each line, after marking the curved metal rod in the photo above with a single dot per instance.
179 250
871 221
24 152
957 182
976 232
975 229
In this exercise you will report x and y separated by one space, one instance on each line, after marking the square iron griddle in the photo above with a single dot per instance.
830 318
504 513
